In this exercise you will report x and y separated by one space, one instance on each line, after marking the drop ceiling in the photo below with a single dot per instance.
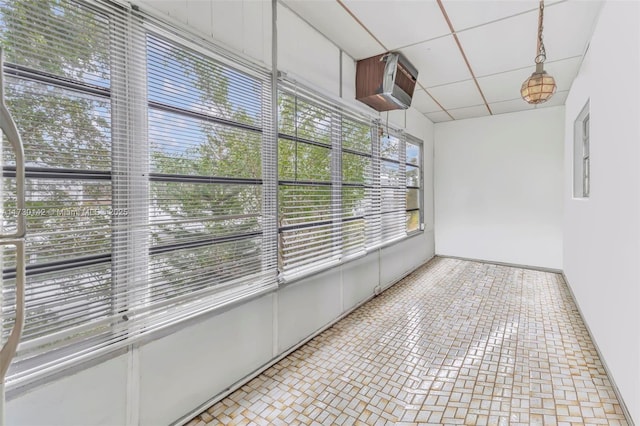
472 55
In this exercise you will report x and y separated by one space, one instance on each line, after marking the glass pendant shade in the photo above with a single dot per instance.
539 87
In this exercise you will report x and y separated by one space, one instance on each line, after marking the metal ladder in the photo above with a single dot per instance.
16 239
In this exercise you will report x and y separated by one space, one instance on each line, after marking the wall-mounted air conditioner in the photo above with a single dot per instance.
385 82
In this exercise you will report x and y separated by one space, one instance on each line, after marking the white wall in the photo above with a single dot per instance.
161 381
498 187
602 233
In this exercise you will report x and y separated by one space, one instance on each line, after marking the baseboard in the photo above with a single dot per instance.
616 390
494 262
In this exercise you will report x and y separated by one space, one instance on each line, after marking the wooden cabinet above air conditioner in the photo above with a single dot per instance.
386 81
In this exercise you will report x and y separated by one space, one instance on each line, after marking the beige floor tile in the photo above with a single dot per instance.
456 342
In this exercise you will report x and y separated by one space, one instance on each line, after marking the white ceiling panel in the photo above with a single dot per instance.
519 104
457 95
423 102
328 17
504 45
564 71
568 27
511 43
470 13
438 117
469 112
438 62
513 105
506 86
398 23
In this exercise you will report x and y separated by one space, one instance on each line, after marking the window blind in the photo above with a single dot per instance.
308 174
392 185
414 183
150 179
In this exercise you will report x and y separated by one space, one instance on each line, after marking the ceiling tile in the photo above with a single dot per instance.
518 104
568 27
506 86
399 23
328 17
438 62
513 105
457 95
567 30
438 117
469 112
423 102
469 13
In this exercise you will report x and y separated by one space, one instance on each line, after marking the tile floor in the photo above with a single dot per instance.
456 342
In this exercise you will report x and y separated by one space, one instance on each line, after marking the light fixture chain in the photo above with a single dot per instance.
541 54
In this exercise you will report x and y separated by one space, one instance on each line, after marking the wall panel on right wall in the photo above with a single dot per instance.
602 232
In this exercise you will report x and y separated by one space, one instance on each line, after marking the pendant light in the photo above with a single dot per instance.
540 86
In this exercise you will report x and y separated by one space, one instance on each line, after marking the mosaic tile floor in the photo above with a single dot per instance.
456 342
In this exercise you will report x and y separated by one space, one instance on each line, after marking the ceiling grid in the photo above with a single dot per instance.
472 55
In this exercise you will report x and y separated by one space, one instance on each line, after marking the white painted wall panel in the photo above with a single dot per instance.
308 305
185 369
95 396
306 54
349 80
498 187
359 280
602 233
243 26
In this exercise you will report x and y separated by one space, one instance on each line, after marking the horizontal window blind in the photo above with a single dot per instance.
309 205
150 179
414 183
392 185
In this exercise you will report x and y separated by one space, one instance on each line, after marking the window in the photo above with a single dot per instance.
151 179
581 160
148 192
414 184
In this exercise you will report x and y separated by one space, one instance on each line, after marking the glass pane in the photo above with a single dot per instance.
390 174
353 235
413 221
413 199
413 176
182 212
181 272
66 218
61 300
303 162
44 35
187 80
303 119
187 146
393 199
389 147
354 201
356 136
356 168
306 246
413 153
59 128
303 204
